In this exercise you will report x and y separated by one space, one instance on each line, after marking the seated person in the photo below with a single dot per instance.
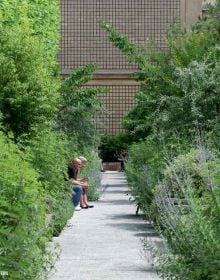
78 185
84 200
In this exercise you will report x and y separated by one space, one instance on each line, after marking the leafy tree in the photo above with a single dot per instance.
78 106
164 104
41 17
28 91
28 85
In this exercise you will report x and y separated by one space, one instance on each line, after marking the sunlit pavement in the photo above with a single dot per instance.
106 242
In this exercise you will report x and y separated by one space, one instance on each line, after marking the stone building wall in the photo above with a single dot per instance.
83 42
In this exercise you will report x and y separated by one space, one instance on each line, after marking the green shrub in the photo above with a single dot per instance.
29 101
145 165
190 221
143 170
175 174
22 215
44 18
111 145
50 154
62 211
177 105
49 157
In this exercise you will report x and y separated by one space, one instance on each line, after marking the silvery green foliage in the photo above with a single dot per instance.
187 201
198 85
143 170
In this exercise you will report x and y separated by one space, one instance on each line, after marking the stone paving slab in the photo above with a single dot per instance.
105 242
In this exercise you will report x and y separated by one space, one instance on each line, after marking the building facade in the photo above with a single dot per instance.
83 42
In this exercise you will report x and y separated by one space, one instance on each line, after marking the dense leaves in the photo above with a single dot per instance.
111 146
28 86
187 200
28 91
79 105
22 214
143 171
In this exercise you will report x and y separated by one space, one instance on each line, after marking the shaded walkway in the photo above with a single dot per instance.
105 242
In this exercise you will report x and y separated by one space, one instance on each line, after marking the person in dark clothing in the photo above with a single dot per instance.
123 156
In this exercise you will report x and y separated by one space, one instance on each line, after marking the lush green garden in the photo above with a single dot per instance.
174 160
44 122
173 132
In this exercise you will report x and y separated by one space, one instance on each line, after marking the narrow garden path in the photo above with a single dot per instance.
106 242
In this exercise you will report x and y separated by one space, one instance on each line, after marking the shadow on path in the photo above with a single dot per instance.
105 242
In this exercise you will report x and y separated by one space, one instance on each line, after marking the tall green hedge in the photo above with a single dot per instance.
29 100
22 215
35 200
